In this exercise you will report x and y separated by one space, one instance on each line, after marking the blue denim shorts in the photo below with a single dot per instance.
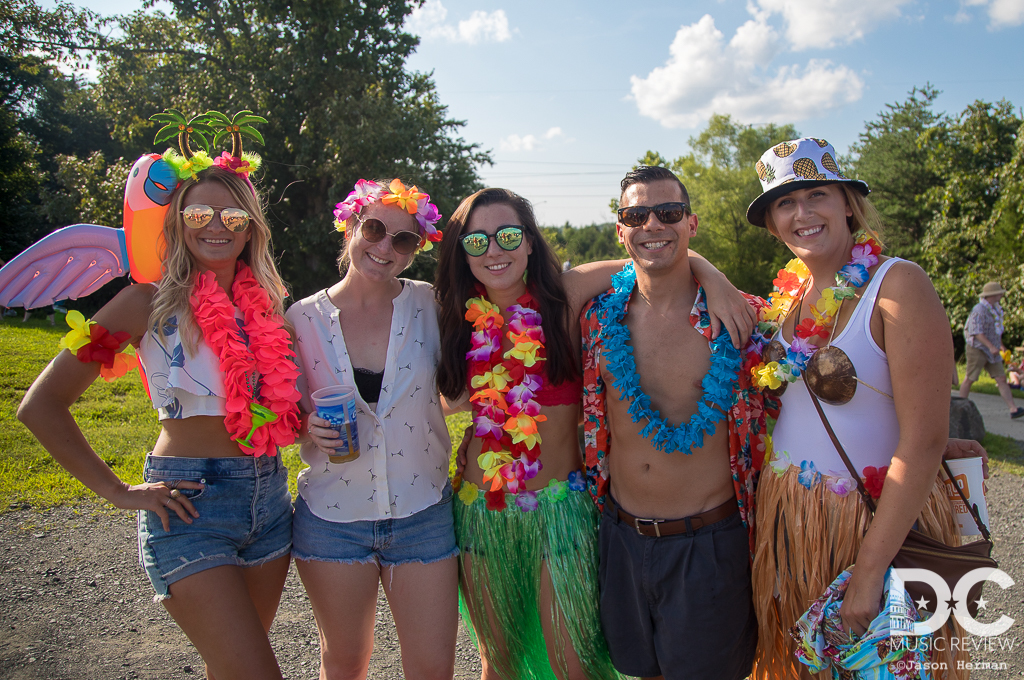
245 517
424 537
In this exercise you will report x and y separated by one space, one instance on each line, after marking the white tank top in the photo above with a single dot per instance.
866 426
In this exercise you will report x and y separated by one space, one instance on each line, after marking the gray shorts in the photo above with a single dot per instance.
678 606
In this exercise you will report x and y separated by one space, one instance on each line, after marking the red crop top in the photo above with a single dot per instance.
568 392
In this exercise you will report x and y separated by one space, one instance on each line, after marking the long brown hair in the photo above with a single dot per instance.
455 283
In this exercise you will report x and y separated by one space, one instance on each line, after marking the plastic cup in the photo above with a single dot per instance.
968 475
337 405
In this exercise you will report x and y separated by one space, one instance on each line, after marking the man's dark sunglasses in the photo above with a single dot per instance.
667 213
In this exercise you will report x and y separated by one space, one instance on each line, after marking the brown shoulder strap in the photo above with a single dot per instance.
870 502
860 484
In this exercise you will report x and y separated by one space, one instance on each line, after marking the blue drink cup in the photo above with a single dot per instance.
337 405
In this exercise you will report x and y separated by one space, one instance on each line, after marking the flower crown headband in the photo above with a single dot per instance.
215 125
413 201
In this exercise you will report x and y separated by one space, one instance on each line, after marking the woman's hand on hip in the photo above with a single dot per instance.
161 498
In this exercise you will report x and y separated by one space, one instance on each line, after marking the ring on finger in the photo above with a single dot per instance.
175 493
167 501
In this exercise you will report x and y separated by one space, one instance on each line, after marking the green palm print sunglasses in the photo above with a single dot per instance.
508 237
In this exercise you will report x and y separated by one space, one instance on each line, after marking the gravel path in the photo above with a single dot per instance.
74 603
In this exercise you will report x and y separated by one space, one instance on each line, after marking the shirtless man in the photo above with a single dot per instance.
675 499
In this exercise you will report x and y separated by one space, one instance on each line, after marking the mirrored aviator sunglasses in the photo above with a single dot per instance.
374 231
508 238
198 216
667 213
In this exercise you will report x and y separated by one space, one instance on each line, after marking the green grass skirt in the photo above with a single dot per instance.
507 549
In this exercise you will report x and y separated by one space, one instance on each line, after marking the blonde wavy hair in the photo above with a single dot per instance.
180 268
864 214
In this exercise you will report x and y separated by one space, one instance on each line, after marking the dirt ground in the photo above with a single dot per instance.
74 603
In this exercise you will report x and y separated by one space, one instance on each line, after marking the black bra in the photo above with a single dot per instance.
368 383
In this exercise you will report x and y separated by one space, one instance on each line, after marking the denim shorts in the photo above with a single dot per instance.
424 537
245 517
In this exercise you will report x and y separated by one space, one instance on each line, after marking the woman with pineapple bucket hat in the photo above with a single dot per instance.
861 332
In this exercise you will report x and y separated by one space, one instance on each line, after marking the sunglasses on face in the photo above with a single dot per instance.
667 213
374 231
198 216
508 237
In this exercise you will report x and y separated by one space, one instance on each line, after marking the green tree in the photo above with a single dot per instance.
43 114
330 78
973 236
579 245
892 156
719 175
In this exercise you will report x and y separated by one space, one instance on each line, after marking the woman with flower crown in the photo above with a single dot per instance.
525 524
214 509
383 519
856 333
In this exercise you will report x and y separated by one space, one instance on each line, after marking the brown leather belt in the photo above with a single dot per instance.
669 527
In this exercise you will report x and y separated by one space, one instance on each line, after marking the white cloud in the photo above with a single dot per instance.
826 23
528 142
517 143
706 75
1001 13
428 22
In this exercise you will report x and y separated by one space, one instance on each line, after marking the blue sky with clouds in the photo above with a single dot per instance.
569 94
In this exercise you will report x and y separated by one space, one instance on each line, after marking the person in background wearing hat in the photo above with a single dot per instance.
983 333
861 332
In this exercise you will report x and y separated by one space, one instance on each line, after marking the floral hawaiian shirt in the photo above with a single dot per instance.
748 436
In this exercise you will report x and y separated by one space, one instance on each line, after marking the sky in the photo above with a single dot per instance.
567 95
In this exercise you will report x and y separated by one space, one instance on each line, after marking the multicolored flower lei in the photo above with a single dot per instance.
268 355
504 410
718 384
789 285
92 342
413 201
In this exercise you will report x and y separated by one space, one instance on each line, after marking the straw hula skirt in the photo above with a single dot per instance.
503 554
805 539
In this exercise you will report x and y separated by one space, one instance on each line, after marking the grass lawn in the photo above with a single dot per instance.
1004 453
117 419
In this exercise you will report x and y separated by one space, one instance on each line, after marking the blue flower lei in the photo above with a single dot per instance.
719 384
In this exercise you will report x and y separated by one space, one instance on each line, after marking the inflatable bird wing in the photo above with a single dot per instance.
75 261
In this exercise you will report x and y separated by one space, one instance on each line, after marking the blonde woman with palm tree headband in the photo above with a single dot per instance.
214 509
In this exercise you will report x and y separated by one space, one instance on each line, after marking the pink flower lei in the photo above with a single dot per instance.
412 201
269 356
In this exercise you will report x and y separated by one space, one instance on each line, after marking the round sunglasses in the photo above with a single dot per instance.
197 216
508 237
667 213
374 231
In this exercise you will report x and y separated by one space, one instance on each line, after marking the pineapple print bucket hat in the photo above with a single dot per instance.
796 164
